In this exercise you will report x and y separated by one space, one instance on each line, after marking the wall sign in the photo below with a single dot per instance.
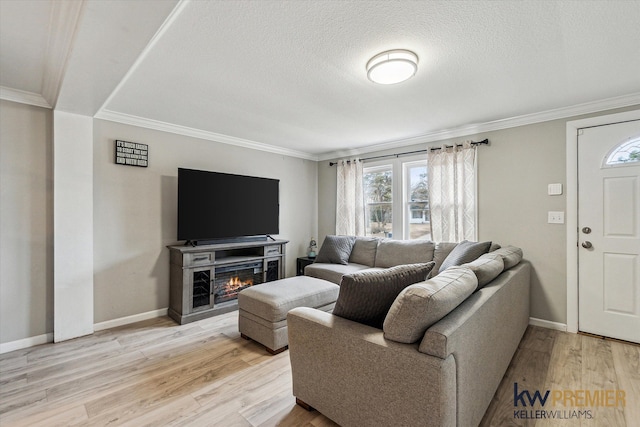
132 154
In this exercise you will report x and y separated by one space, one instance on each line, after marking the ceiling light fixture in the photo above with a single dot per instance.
392 66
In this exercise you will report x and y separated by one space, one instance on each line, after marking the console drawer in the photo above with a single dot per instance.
200 258
271 250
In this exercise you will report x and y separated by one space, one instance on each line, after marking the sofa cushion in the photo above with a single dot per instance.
336 249
364 251
421 305
366 296
272 301
397 252
464 252
486 268
332 272
510 255
442 251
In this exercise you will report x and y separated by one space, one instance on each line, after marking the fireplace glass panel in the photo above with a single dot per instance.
230 280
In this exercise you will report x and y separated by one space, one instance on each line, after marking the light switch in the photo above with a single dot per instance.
555 189
556 217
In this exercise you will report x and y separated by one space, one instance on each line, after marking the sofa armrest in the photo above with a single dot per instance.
482 334
353 375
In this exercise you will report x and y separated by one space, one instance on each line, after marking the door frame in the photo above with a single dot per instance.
572 204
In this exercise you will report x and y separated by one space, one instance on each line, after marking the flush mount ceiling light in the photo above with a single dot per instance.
392 66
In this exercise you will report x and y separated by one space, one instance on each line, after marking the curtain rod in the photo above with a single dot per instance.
483 142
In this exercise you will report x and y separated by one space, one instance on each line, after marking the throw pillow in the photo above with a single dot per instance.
336 249
423 304
366 296
463 253
443 249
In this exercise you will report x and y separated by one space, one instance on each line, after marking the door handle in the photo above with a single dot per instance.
587 245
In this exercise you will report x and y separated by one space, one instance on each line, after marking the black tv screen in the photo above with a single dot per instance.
214 205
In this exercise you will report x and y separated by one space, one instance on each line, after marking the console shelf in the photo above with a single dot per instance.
195 290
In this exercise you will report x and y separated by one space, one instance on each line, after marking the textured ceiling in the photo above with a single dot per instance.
23 44
291 74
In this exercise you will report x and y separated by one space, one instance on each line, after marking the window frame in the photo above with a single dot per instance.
381 165
399 190
406 193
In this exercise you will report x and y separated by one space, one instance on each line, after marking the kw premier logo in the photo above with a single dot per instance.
575 403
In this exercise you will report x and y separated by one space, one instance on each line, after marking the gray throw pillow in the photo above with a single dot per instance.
366 296
336 249
443 249
463 253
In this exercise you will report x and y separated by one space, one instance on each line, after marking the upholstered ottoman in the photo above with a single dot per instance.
263 309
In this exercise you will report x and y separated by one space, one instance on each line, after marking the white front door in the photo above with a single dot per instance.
609 230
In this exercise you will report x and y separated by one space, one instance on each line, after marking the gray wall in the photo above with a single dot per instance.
134 215
135 210
26 222
513 174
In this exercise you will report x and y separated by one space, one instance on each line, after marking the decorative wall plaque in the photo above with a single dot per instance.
132 154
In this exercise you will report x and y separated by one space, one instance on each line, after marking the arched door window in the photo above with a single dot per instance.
625 153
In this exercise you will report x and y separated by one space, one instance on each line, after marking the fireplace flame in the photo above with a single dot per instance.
235 283
227 288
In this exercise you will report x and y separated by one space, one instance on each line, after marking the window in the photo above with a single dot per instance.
396 199
627 152
378 196
416 201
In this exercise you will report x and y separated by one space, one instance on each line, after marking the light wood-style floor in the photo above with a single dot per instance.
203 374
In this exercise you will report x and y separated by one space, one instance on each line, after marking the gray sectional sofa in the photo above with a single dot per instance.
444 347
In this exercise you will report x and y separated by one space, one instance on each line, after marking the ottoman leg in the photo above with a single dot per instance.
278 351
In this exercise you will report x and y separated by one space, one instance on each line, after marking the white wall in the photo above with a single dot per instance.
26 223
513 174
135 211
72 225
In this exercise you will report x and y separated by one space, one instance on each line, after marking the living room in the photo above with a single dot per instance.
127 216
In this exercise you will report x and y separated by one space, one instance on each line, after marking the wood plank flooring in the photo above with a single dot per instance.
551 360
158 373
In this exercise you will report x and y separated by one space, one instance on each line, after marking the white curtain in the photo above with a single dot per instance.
452 193
350 199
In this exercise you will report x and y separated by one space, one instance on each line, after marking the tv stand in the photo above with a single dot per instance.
197 287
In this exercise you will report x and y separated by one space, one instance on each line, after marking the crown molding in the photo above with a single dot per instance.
128 119
527 119
63 25
23 97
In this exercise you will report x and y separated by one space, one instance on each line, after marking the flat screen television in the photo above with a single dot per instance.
214 205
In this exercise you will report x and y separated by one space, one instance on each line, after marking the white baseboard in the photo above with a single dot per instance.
548 324
47 338
25 343
130 319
